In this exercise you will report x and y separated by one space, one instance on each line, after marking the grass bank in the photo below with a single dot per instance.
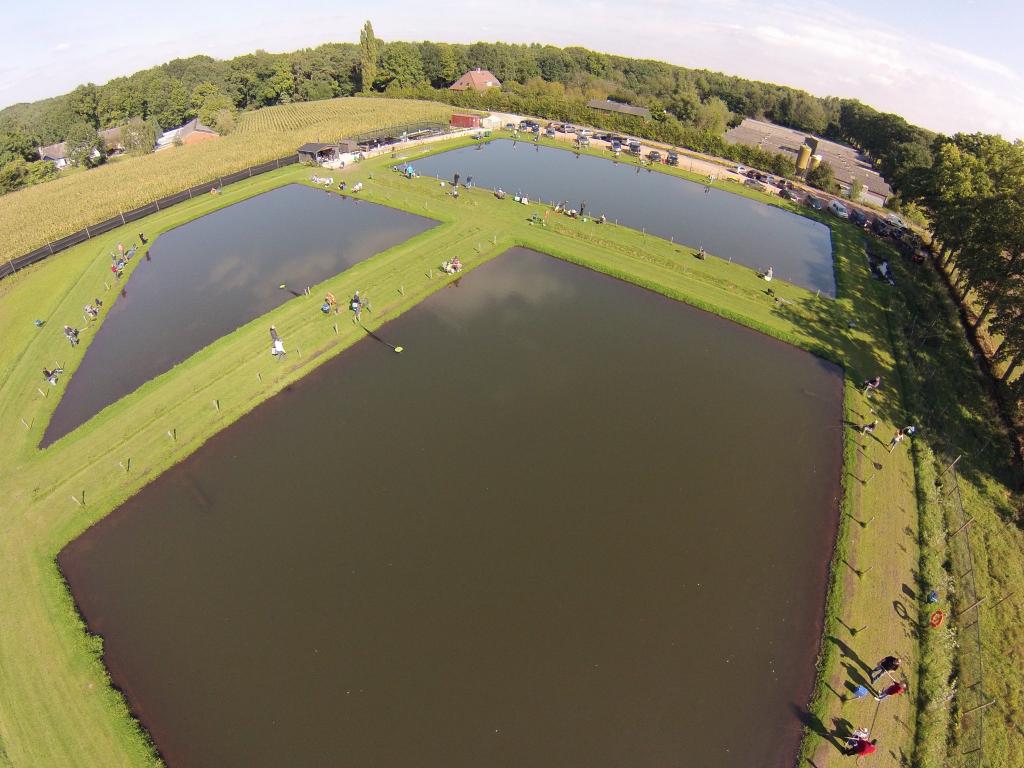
56 707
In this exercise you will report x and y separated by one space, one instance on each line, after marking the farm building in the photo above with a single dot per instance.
316 152
56 154
846 162
191 132
477 79
613 106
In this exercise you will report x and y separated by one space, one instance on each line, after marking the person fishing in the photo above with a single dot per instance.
72 335
700 254
356 305
277 345
871 385
51 376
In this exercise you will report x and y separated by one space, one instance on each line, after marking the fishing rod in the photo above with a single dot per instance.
378 338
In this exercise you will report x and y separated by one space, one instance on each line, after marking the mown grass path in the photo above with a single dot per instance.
56 708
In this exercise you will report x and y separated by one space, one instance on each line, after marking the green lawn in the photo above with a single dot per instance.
56 708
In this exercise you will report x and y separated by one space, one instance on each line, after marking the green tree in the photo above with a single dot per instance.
712 116
207 101
856 189
84 103
83 146
13 175
401 66
224 121
138 136
823 178
369 51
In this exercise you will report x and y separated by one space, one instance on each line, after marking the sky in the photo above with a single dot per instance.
948 65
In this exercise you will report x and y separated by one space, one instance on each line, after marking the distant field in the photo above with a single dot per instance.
31 217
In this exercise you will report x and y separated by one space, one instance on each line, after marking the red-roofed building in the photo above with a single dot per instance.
477 79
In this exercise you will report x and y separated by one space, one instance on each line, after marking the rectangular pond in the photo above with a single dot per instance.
728 225
574 523
206 278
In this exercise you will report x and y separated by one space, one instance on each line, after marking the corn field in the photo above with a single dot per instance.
31 217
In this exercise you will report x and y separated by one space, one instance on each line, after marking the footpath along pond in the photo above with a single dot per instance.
205 278
574 523
728 225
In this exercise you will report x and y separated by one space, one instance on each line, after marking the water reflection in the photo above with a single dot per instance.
727 225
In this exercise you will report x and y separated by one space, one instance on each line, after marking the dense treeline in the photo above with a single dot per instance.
690 107
973 194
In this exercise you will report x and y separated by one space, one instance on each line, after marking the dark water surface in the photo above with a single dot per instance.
727 225
212 275
573 524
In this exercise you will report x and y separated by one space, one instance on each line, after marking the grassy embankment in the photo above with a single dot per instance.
55 706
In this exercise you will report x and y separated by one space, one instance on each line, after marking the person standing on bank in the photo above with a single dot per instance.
886 666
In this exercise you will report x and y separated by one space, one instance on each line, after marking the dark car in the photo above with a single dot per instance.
673 158
654 156
755 184
814 202
616 146
858 217
880 228
634 148
789 194
510 126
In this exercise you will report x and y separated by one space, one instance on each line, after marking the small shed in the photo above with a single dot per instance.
465 121
316 152
348 146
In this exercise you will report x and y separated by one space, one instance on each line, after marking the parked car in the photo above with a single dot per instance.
881 228
755 184
550 132
654 156
634 148
673 158
858 217
789 194
814 202
838 209
510 126
616 146
741 170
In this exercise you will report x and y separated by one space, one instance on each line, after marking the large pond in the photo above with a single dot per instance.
212 275
728 225
574 523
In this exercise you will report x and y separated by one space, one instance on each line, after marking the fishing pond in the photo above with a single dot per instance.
573 523
206 278
728 225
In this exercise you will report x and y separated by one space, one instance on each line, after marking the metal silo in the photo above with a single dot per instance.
803 157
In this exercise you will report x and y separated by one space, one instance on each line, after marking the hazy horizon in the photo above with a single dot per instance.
951 71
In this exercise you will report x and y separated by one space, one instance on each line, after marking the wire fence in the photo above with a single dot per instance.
43 252
970 693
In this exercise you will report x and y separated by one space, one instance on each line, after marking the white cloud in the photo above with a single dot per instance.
61 47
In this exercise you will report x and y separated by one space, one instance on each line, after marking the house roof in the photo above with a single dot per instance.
614 106
314 147
192 126
477 79
54 152
111 137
